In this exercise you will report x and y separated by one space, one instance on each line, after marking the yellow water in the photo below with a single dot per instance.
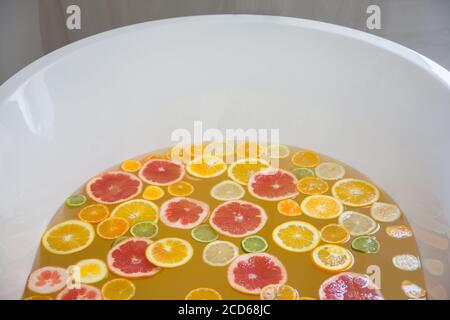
177 282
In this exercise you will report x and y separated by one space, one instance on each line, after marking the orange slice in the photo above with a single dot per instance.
334 233
118 289
312 186
355 192
68 237
112 228
305 158
169 252
250 149
241 170
94 213
38 298
203 294
206 167
296 236
332 258
137 210
180 189
278 292
131 165
289 207
322 207
153 193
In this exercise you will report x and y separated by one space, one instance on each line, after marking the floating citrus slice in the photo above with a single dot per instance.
203 294
322 207
94 213
161 172
114 187
278 292
206 167
169 252
332 258
385 212
137 210
144 229
278 151
131 165
112 228
180 189
80 292
406 262
47 280
91 270
241 170
412 290
355 192
273 185
204 233
296 236
251 272
302 172
252 244
289 207
238 218
76 201
183 213
306 298
250 149
227 190
330 171
128 259
366 244
357 223
349 286
220 253
153 193
334 233
118 289
38 298
399 232
312 186
306 159
68 237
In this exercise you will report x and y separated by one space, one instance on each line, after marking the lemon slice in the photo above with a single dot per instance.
220 253
278 151
227 190
241 170
296 236
330 171
333 258
89 270
137 210
385 212
357 223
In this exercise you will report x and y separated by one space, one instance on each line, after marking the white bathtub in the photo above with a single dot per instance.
371 103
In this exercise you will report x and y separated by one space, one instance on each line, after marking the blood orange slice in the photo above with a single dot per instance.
47 280
238 218
183 213
127 259
161 172
250 273
349 286
114 187
80 292
273 185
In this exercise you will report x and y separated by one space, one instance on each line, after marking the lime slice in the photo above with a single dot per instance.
76 201
119 240
302 172
253 244
366 244
204 233
144 229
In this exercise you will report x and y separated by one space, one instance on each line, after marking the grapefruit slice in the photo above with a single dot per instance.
161 172
349 286
273 185
47 280
183 213
238 218
114 187
127 259
80 292
250 273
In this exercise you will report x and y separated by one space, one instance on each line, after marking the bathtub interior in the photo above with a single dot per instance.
367 102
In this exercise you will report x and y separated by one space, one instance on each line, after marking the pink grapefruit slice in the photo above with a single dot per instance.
250 273
127 259
349 286
183 213
47 280
238 218
161 172
273 185
80 292
114 187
